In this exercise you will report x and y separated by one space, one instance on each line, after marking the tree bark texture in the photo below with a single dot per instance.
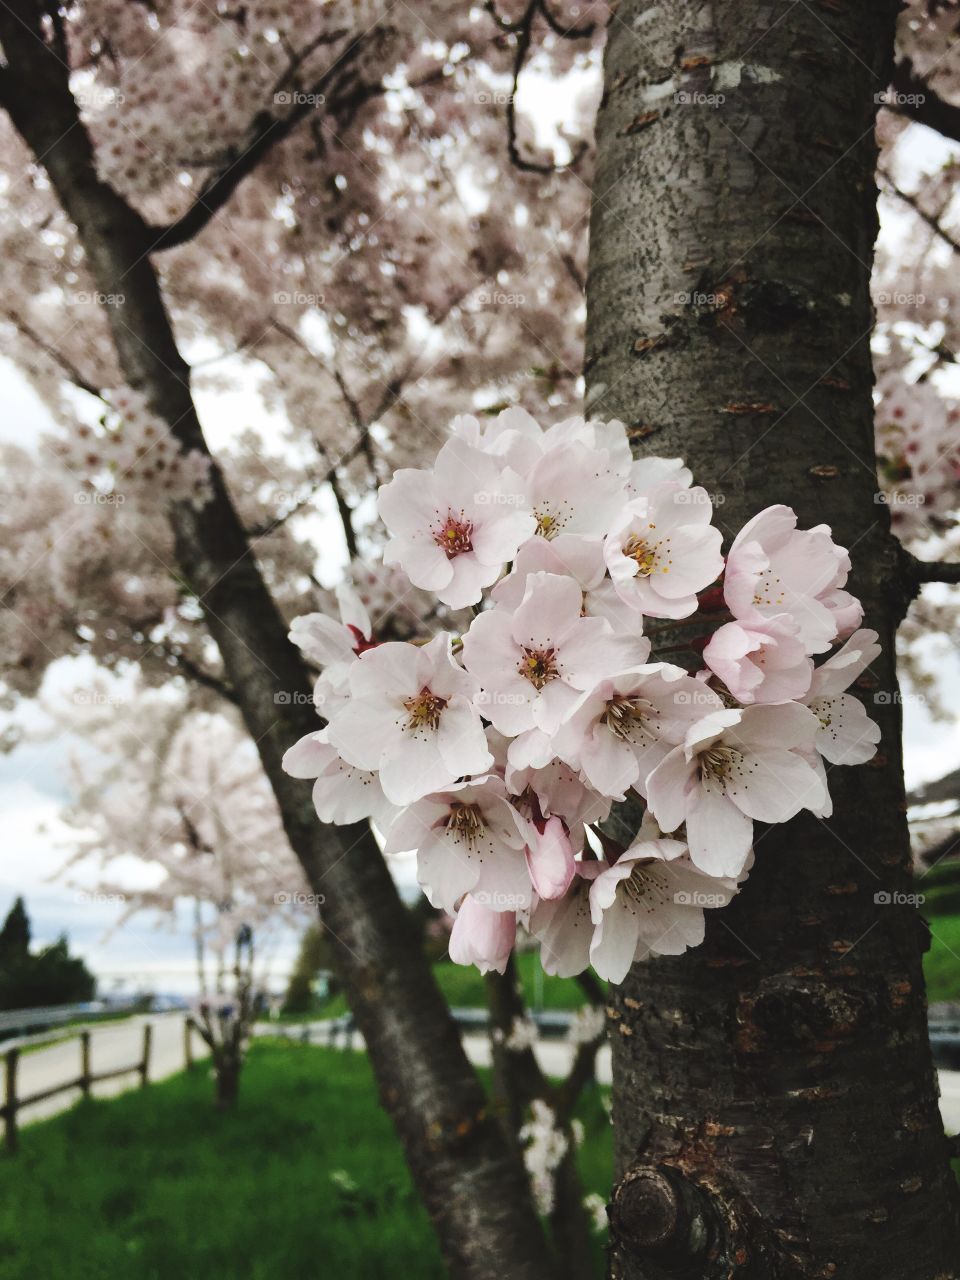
774 1099
474 1187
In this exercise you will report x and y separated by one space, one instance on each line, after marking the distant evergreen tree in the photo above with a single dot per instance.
15 934
50 976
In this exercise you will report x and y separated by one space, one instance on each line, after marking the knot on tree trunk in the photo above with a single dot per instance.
660 1216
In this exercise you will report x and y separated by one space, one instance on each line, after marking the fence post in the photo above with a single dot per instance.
85 1072
145 1060
10 1108
188 1043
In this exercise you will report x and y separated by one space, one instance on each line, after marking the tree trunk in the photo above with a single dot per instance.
470 1180
775 1103
227 1073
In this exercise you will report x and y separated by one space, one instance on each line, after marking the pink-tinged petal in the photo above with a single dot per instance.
668 787
719 835
444 873
308 757
610 764
344 794
615 944
774 785
322 639
784 724
468 578
482 937
840 670
846 735
550 860
361 733
412 767
414 826
389 670
565 931
407 504
550 606
353 612
461 740
424 563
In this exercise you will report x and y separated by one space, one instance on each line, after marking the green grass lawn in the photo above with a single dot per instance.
463 987
941 964
305 1179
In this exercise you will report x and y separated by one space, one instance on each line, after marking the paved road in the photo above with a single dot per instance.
112 1045
119 1044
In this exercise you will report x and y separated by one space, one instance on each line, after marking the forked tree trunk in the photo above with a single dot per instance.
774 1099
470 1179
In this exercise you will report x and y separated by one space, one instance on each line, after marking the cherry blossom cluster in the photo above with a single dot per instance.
918 447
496 753
133 454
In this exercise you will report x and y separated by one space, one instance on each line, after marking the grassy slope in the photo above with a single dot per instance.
158 1186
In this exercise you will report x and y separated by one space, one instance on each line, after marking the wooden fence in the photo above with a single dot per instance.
13 1102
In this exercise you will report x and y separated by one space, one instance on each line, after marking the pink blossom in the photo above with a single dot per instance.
774 568
550 859
620 730
661 550
650 902
454 528
482 936
469 839
341 792
760 662
846 734
532 661
564 927
411 716
575 557
733 767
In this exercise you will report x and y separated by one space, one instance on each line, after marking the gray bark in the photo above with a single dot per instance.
471 1182
774 1100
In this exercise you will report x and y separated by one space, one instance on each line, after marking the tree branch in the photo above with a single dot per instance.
266 132
921 213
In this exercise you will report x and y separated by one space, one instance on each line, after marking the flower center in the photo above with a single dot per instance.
718 762
769 590
626 716
638 881
455 535
538 666
424 710
646 556
548 526
466 822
